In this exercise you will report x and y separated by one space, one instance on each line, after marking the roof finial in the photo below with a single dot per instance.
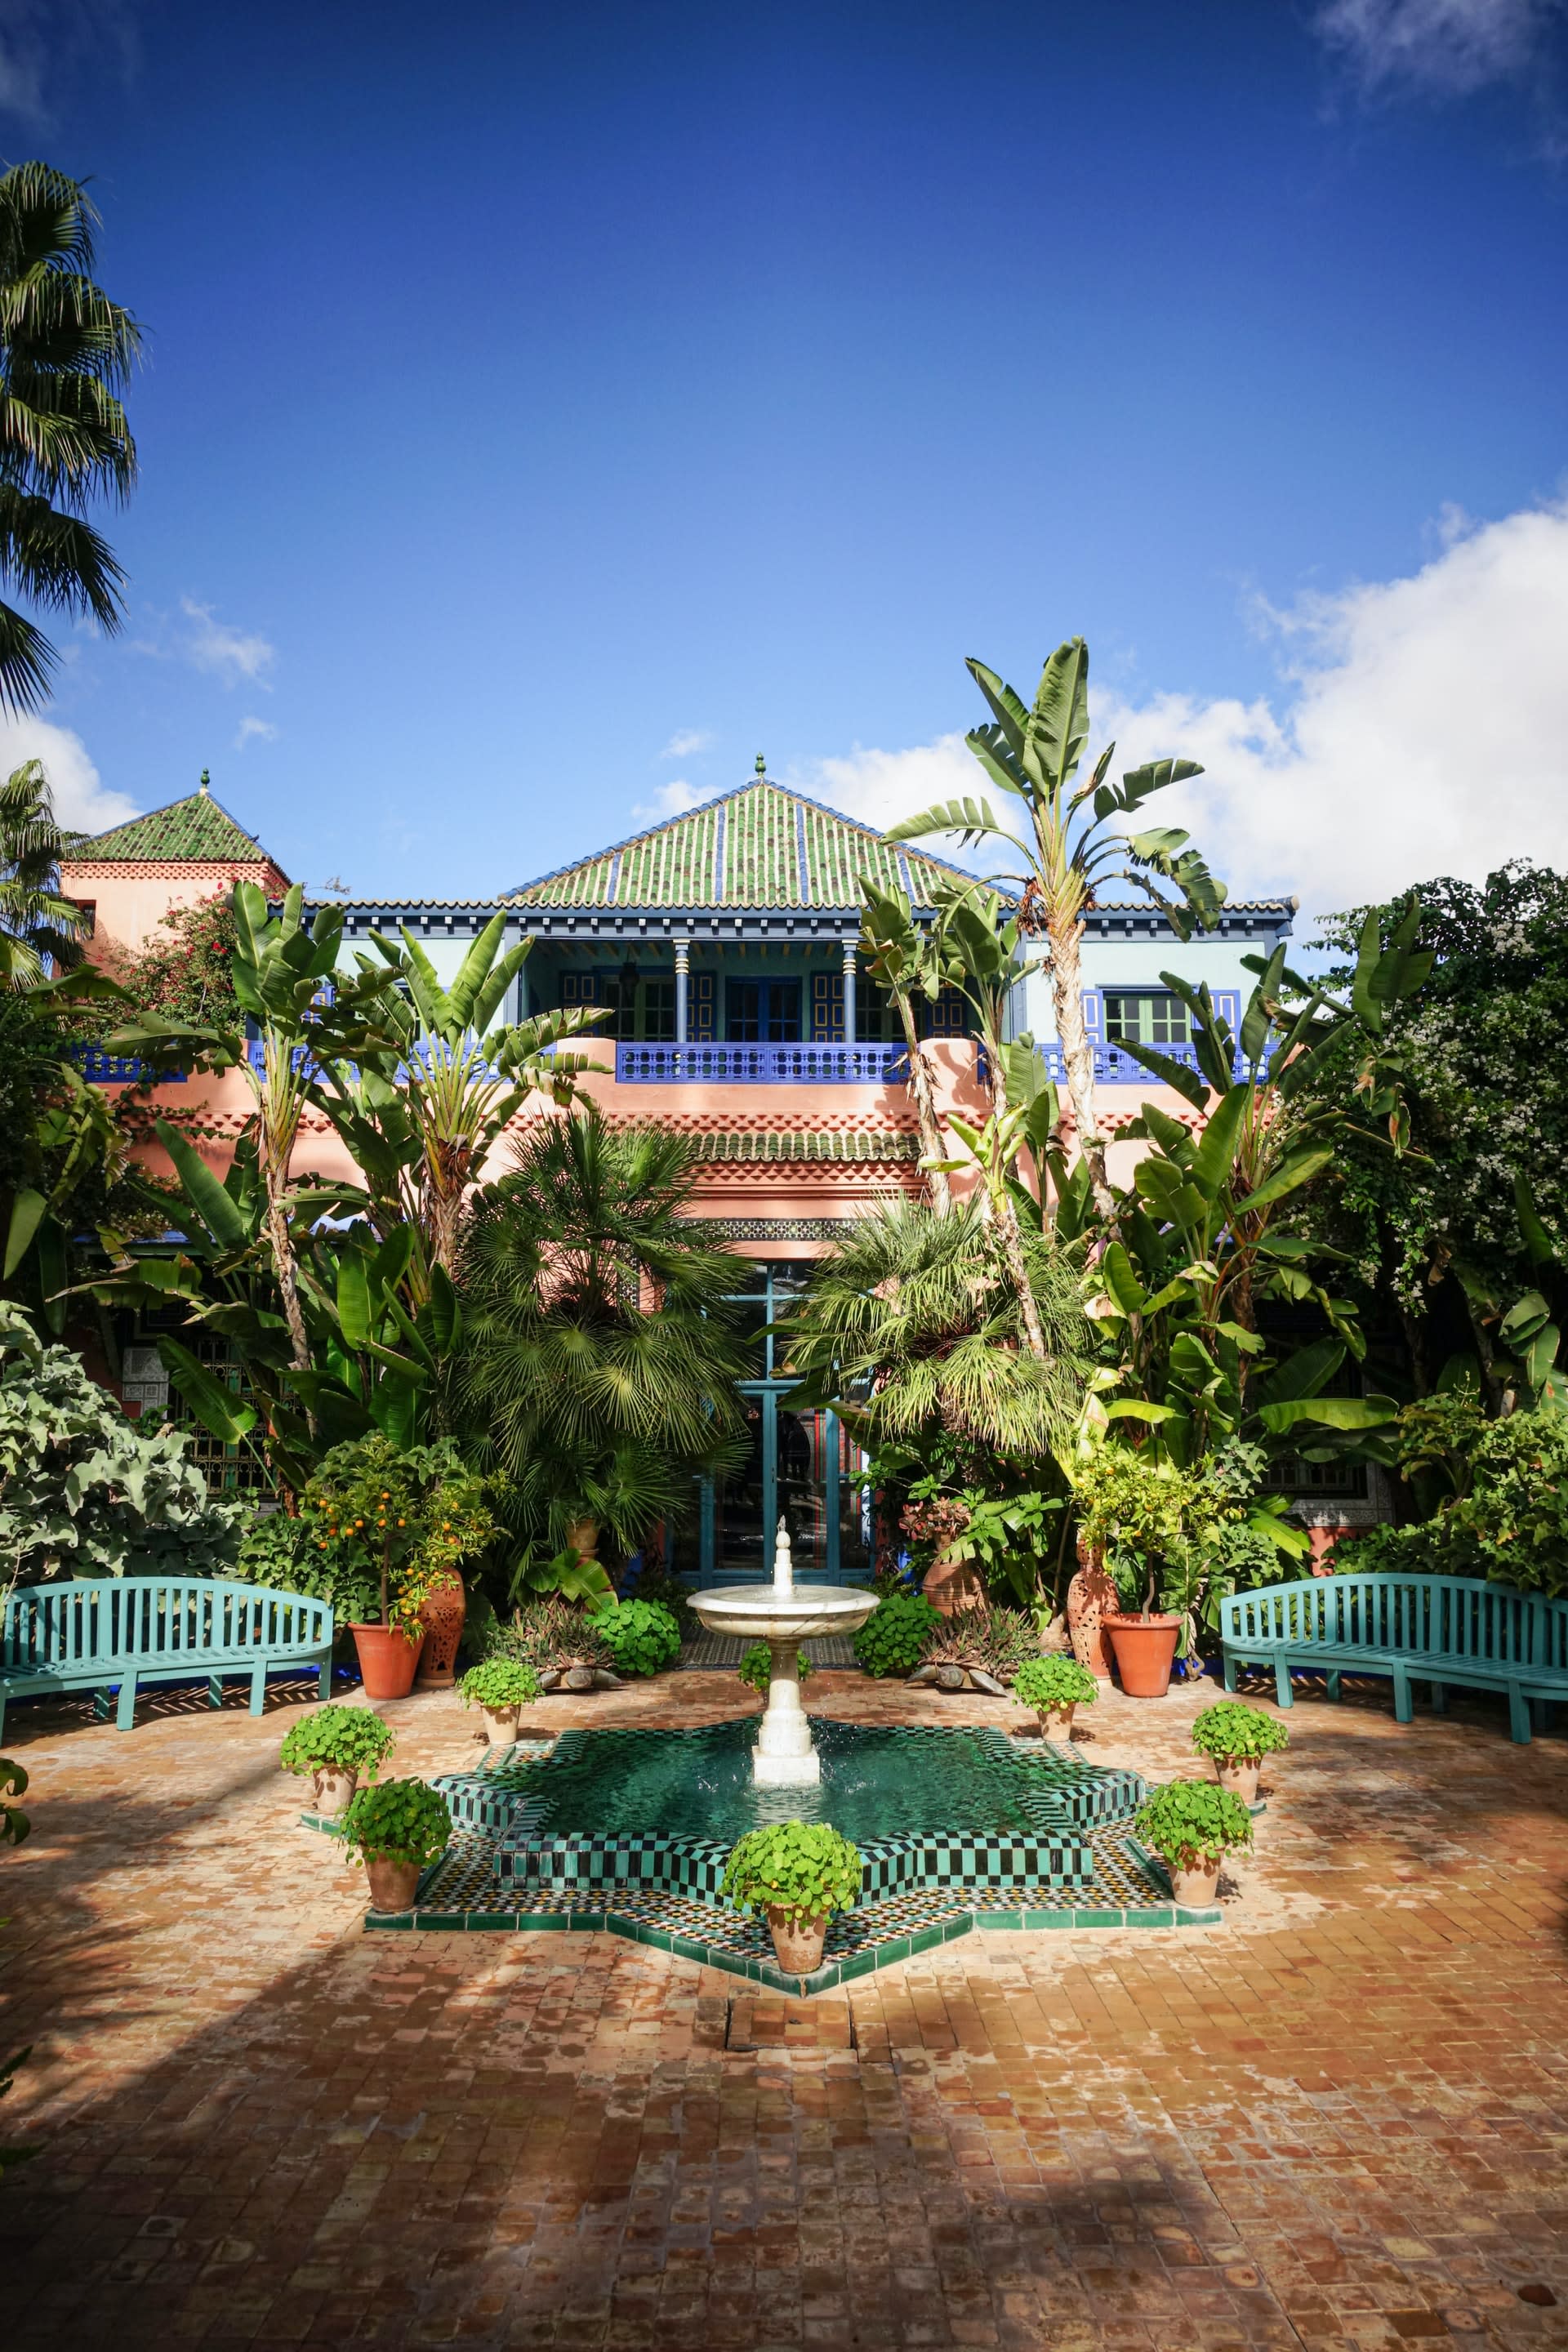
761 763
206 779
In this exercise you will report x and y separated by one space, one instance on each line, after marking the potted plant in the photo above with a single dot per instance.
1192 1825
1053 1687
1142 1512
500 1688
398 1829
1238 1738
336 1745
391 1524
797 1873
756 1668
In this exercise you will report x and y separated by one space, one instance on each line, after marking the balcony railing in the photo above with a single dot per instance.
761 1065
102 1069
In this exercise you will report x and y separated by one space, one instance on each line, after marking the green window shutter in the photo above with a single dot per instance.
827 1007
700 1008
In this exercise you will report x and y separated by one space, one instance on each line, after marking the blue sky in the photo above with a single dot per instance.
547 409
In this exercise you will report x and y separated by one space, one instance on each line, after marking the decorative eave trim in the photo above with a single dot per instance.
218 870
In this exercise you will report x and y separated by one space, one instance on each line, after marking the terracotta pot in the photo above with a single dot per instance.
1145 1649
797 1943
331 1790
1091 1597
582 1535
446 1606
951 1584
1239 1775
1056 1722
501 1725
1194 1890
393 1882
388 1658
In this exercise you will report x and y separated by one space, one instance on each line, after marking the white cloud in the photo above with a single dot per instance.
82 802
1449 47
670 800
1424 729
255 731
686 741
210 645
1421 729
45 45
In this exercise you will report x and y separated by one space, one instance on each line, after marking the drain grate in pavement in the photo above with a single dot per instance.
714 1651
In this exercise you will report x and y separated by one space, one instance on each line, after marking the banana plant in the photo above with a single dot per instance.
897 952
309 1017
421 1116
1201 1240
1072 845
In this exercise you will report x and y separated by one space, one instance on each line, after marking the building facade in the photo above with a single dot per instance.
724 943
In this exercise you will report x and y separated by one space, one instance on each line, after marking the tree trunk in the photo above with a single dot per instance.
283 1265
1066 987
931 1145
1017 1267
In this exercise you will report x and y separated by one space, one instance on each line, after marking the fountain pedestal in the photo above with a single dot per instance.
783 1614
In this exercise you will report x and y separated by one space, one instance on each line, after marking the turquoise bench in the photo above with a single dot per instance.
1433 1629
132 1630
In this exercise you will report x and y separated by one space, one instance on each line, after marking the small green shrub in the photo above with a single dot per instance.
1237 1734
345 1739
1193 1822
756 1668
803 1868
499 1684
1046 1683
406 1819
641 1636
895 1634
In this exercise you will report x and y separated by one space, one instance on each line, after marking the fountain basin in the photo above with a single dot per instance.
783 1614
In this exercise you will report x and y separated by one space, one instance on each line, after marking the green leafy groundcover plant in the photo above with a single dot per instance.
1191 1823
1046 1683
346 1738
803 1868
756 1668
499 1684
406 1820
640 1636
894 1635
1237 1734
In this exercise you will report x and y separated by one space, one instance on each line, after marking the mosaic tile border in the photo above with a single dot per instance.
876 1936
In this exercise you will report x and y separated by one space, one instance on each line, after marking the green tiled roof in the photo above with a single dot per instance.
760 847
197 828
892 1143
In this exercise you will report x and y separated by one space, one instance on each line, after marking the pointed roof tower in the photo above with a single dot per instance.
190 838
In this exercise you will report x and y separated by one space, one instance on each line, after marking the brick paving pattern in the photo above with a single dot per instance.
1338 2119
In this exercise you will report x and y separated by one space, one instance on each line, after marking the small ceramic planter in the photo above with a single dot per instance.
797 1942
1239 1775
1056 1723
331 1790
1196 1889
387 1657
1145 1651
501 1725
393 1882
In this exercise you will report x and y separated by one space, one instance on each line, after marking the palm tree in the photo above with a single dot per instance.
596 1379
914 1324
38 927
65 352
1034 755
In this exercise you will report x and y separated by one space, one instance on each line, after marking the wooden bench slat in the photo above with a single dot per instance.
1437 1629
89 1634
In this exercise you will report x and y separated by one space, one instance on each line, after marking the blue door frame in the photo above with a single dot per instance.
831 1568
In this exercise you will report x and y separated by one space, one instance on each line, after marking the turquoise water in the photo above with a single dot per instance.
877 1782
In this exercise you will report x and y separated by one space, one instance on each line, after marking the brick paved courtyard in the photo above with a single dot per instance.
1339 2118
